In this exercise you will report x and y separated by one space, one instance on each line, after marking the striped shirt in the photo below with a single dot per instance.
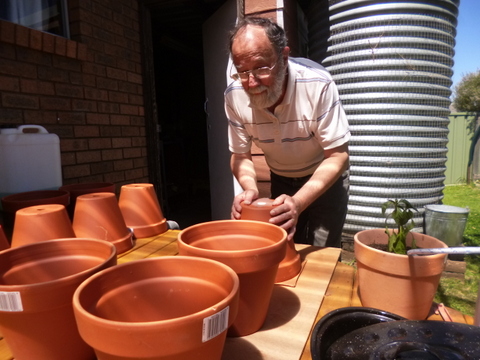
309 120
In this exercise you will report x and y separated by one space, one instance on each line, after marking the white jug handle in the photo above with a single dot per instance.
40 129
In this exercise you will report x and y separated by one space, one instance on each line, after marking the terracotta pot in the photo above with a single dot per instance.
401 284
253 250
4 244
141 210
40 223
98 216
260 210
164 308
39 281
75 190
12 203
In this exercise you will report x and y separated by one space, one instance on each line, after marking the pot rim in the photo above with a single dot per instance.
229 225
122 325
62 280
367 244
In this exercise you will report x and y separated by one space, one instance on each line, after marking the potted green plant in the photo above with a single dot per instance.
402 214
390 280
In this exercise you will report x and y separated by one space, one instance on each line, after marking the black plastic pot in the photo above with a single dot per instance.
370 334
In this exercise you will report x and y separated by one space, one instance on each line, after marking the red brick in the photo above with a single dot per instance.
73 144
88 157
7 32
71 49
29 86
35 40
122 165
19 101
9 83
134 174
95 118
68 159
48 43
112 154
86 131
110 108
129 109
102 167
60 46
100 143
116 74
129 153
122 142
40 117
134 78
66 90
96 94
76 171
84 105
120 119
21 35
118 97
55 103
82 52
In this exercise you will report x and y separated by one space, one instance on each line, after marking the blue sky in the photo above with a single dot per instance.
467 47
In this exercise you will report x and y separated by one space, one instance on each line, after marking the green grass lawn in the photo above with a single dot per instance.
455 293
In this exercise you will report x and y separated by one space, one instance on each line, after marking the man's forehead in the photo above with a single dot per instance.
252 42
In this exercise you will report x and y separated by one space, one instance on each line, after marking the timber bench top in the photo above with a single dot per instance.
334 288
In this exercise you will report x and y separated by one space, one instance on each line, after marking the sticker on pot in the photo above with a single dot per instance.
214 325
10 301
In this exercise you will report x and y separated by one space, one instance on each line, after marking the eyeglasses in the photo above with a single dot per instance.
259 73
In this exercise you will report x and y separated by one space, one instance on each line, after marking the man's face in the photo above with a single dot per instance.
251 50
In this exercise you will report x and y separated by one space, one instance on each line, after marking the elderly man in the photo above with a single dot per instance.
290 108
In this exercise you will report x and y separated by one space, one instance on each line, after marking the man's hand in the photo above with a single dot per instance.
286 214
246 197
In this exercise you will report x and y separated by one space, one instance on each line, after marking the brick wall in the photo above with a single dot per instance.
87 89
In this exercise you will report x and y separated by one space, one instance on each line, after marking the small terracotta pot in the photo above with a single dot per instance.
40 223
253 249
141 210
39 281
75 190
260 210
401 284
98 216
12 203
164 308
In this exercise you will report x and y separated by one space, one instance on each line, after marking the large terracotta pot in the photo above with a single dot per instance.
75 190
98 216
40 223
401 284
291 264
164 308
141 210
38 281
253 249
14 202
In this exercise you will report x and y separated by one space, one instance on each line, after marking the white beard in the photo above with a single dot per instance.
262 97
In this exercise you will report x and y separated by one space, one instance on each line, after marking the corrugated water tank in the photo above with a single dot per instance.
392 62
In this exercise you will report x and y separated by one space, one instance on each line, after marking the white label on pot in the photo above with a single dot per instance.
10 301
214 325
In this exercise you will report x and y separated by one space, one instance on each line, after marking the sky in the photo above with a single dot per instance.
467 47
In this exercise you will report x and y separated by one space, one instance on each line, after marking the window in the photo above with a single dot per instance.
44 15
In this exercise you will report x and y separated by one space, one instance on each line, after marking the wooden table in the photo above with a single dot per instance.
341 291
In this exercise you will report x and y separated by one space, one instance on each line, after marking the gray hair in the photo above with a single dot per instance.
274 32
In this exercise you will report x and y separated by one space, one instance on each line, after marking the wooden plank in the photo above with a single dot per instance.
149 246
338 295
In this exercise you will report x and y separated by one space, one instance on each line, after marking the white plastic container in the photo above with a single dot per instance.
29 160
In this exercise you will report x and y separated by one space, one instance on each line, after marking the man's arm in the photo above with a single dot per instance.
244 171
334 164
